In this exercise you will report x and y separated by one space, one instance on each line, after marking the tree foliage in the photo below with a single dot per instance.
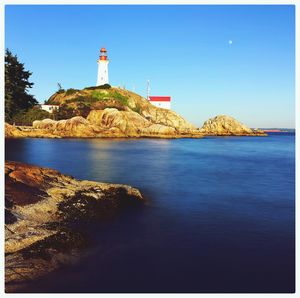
66 112
71 91
17 98
60 89
105 86
26 118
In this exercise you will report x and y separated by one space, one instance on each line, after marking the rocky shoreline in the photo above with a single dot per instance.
79 127
43 210
53 133
119 113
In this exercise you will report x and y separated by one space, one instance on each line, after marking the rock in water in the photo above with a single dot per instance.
42 210
223 125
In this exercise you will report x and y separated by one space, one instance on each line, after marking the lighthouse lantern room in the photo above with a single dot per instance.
102 68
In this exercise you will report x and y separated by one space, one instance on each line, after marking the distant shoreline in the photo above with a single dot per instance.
279 130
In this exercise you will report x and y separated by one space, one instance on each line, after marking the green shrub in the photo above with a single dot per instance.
101 105
137 109
26 118
105 86
123 99
113 98
115 95
71 91
98 95
66 112
79 98
82 99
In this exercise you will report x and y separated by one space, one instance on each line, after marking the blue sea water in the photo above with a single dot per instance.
220 216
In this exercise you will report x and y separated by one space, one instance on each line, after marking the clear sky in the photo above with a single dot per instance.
235 60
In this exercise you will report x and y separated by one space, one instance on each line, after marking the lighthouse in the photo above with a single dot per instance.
102 68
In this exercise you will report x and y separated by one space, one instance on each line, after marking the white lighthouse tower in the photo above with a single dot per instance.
102 68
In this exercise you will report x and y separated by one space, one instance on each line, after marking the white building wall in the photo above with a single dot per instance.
162 104
102 72
49 108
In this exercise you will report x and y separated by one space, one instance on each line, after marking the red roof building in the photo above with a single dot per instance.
161 101
160 98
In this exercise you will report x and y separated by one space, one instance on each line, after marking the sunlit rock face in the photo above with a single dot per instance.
43 208
226 125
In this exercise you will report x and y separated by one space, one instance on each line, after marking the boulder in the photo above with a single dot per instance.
42 209
225 125
73 127
129 123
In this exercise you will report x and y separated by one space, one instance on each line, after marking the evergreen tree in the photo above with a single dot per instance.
17 98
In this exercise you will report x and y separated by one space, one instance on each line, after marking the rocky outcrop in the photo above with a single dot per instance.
223 125
126 113
114 123
157 115
12 131
116 112
42 210
74 127
109 122
122 100
128 123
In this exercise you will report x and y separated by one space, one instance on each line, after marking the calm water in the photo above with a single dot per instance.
220 216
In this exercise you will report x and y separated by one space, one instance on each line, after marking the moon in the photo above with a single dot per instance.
230 41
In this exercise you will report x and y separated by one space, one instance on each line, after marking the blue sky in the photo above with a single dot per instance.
185 51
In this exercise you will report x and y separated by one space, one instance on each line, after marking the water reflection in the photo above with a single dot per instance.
147 159
221 213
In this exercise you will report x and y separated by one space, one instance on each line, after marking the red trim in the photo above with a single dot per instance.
159 98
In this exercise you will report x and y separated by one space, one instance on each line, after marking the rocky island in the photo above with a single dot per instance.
116 112
44 210
223 125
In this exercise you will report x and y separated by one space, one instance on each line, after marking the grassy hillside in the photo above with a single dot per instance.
75 102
